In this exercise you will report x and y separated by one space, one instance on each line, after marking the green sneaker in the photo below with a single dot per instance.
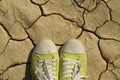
45 61
73 63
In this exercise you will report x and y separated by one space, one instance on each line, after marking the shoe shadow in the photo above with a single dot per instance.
28 67
59 50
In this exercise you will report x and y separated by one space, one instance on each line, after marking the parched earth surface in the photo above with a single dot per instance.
96 23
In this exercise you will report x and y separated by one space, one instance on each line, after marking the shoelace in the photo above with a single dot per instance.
72 69
45 70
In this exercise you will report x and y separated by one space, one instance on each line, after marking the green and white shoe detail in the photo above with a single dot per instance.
45 61
73 63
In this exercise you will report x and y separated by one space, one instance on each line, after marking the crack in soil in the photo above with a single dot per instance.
115 75
5 47
24 29
6 30
13 65
4 13
38 3
33 23
87 7
110 11
105 59
101 25
60 16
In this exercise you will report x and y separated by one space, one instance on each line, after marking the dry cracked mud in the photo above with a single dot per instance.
96 23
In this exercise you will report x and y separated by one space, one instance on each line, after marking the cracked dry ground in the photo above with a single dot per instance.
96 23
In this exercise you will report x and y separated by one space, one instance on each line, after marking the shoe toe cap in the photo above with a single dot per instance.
45 46
73 46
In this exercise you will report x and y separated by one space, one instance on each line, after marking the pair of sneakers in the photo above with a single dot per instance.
46 64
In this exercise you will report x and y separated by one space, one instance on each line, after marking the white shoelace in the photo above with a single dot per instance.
45 70
72 69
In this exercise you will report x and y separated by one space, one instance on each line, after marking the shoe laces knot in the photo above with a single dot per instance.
72 69
46 70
